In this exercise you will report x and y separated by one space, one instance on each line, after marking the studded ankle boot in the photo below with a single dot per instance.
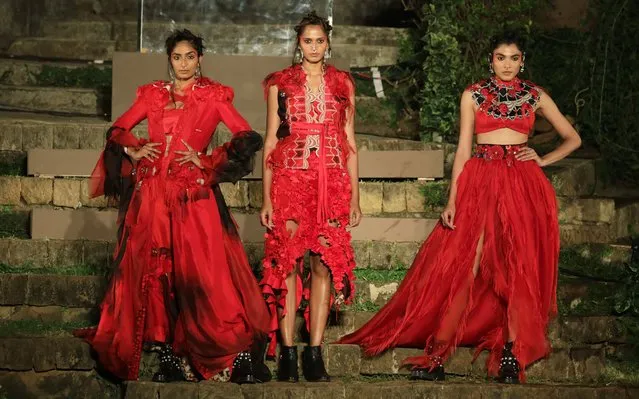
170 368
242 372
509 366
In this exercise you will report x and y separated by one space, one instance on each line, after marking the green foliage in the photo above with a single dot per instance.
38 328
13 163
71 270
627 297
435 194
381 276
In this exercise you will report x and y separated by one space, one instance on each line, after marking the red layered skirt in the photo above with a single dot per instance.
513 205
317 201
181 276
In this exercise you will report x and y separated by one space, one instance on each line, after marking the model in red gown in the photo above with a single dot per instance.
182 280
487 276
311 196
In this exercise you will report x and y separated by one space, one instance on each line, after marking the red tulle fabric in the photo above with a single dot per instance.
182 274
513 204
310 187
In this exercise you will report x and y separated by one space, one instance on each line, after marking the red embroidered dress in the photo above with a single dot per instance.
440 304
311 185
182 275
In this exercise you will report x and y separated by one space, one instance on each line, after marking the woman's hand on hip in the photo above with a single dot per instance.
189 156
528 154
147 151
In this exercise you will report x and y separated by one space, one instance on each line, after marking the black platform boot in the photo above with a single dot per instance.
242 372
509 366
287 364
170 368
313 365
260 369
428 374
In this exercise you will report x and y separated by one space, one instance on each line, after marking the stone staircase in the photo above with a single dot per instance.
50 286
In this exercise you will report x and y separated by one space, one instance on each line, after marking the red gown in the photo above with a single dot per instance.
513 204
182 275
311 186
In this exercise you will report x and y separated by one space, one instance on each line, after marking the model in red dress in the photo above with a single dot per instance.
311 195
487 275
182 282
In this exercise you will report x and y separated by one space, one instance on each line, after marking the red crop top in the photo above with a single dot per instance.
503 104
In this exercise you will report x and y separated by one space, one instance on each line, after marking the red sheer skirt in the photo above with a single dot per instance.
182 277
513 205
294 194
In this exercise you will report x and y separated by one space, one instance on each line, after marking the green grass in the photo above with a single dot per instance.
13 163
435 194
363 307
37 328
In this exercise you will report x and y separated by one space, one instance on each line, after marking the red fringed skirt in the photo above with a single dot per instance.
295 194
513 205
182 277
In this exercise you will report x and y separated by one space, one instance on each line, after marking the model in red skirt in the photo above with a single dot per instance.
182 283
487 275
311 195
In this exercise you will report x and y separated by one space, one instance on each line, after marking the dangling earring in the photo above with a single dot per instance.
299 56
171 73
327 54
198 72
522 68
490 69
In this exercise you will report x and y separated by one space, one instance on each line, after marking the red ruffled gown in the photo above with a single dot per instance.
513 204
182 275
311 186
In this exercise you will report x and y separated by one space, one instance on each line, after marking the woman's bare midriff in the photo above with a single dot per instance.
502 136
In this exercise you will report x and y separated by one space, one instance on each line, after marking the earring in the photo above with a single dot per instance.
327 54
490 69
171 73
522 68
198 72
299 56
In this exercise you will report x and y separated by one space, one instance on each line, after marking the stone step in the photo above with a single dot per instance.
360 55
56 384
26 72
377 198
368 389
573 177
72 101
28 131
22 288
214 33
51 353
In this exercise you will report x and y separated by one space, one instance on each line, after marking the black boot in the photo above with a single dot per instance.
287 364
509 366
436 373
170 368
242 372
313 365
260 369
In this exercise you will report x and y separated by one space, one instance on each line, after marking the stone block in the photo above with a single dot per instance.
405 253
73 354
370 197
85 197
28 252
66 192
326 391
280 391
182 390
37 136
235 195
97 254
82 291
10 137
558 367
93 137
13 289
10 190
141 390
394 197
386 363
220 390
65 252
45 290
381 254
66 136
255 194
381 293
588 363
16 354
45 355
362 253
37 191
414 198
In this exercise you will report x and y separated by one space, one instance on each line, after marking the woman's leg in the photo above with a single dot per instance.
287 322
320 299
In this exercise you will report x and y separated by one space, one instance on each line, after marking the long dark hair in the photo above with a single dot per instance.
311 19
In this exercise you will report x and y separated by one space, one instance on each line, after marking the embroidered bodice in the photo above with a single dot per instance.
503 104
